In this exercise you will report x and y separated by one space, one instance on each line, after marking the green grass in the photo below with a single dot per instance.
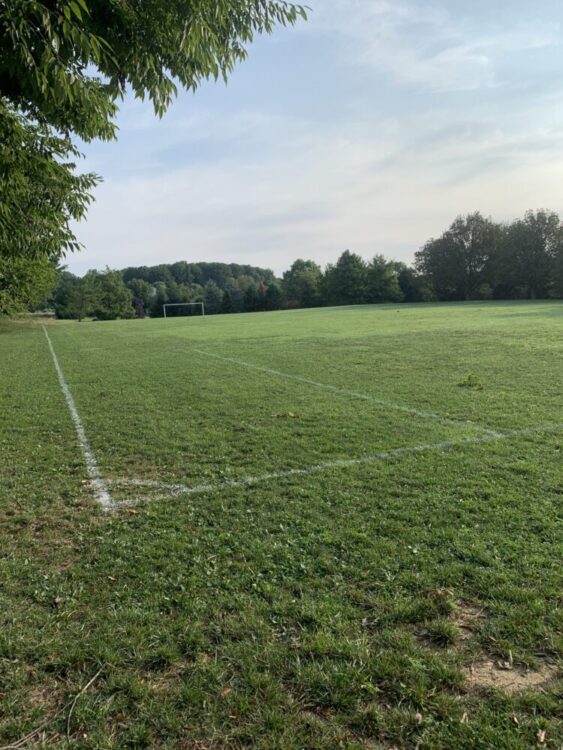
320 610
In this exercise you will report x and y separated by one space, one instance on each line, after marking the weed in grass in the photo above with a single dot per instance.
441 632
471 381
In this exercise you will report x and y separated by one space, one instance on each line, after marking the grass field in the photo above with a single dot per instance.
335 528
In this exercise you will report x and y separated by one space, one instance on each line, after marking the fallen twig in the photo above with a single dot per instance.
77 696
23 740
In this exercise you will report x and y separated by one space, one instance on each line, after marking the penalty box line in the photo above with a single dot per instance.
353 394
179 490
99 485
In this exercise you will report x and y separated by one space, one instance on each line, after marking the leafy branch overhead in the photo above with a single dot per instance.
64 66
40 192
67 63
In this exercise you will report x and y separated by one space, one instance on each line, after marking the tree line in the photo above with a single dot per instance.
474 259
143 291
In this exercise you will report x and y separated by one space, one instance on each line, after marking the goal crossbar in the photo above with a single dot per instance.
184 304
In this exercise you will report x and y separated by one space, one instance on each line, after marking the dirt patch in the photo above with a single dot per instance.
467 618
42 695
488 674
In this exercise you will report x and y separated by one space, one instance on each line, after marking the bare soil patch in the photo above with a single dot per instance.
487 673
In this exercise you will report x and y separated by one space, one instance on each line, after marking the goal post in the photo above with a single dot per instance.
183 304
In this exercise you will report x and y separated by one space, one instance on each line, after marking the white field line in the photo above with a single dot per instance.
353 394
100 487
177 490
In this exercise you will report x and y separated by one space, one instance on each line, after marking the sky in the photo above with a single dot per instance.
370 127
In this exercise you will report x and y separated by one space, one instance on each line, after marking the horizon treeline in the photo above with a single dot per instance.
475 259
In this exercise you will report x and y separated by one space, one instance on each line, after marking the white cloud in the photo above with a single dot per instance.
248 184
385 190
420 43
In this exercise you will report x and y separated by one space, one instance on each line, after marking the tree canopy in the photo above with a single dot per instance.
302 283
458 260
40 192
477 258
65 65
24 283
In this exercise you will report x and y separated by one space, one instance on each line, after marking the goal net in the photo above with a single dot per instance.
184 309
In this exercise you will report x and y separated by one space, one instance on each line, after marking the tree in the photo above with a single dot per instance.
73 297
346 281
302 284
68 63
212 298
63 68
383 281
110 297
40 192
457 262
251 298
160 298
235 293
142 293
261 291
182 272
557 285
528 254
24 282
227 303
274 297
178 292
414 286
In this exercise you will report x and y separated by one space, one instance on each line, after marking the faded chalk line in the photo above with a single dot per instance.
352 394
100 487
177 490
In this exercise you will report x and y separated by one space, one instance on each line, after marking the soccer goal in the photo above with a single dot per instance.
190 305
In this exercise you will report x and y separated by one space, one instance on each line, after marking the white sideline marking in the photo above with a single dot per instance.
353 394
176 490
99 486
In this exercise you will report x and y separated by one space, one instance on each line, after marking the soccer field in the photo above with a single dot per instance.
330 528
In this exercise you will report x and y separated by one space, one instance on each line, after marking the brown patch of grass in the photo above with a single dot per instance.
488 674
45 695
467 618
42 703
163 681
64 565
202 745
318 715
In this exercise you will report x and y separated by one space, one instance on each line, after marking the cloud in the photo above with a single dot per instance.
380 190
380 167
421 44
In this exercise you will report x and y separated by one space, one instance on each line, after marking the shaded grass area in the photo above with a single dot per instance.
309 612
